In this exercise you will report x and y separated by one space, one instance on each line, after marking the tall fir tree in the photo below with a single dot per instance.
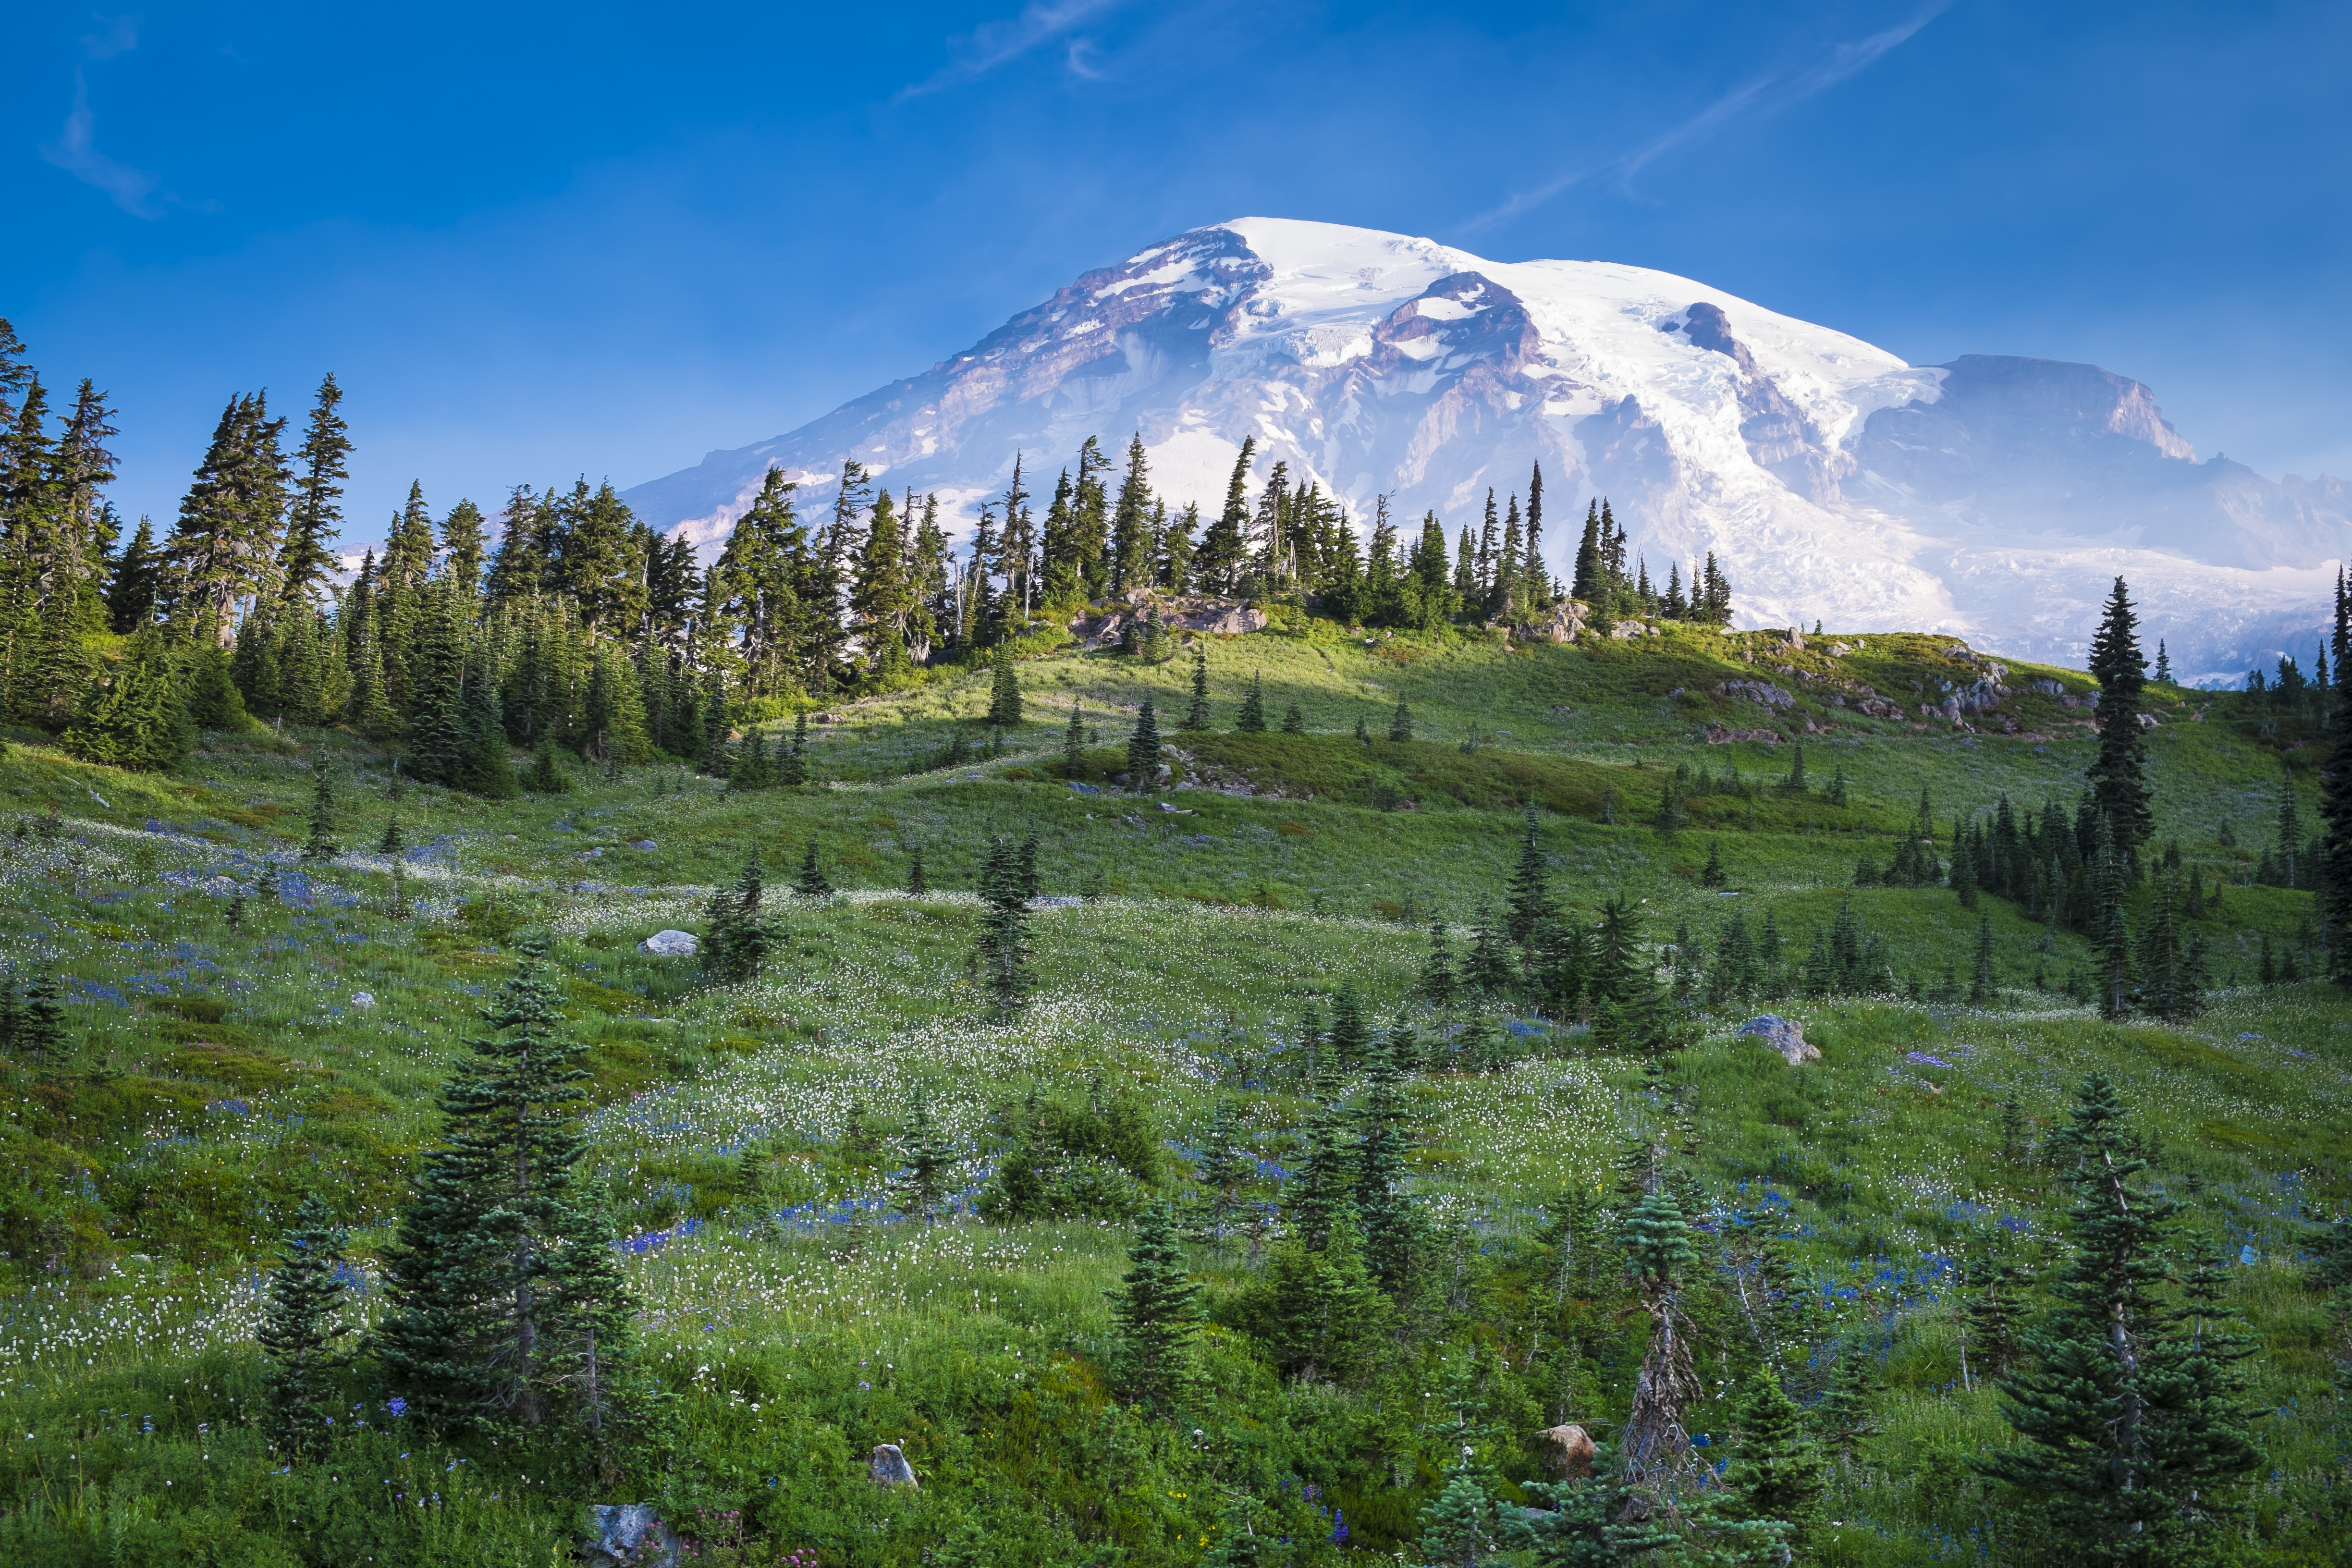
1143 751
2118 775
1002 954
1252 718
1154 1313
2132 1440
1196 717
1005 692
306 562
301 1330
1531 906
482 1325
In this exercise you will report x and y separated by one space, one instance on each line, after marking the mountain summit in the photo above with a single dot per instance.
1992 498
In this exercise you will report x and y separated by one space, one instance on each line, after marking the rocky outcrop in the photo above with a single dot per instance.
1785 1036
1762 691
670 943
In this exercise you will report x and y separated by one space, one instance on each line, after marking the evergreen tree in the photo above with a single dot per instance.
1004 695
320 846
1846 1410
1225 1166
1981 982
2163 664
2111 934
2334 868
1657 1243
547 775
1218 564
1712 875
1004 949
481 1326
305 562
390 843
1992 1292
1466 1525
736 936
916 884
1073 743
133 718
792 769
298 1331
1293 722
1154 1313
137 583
1436 986
1143 751
1316 1196
1486 970
1352 1032
1400 724
1196 717
1252 720
812 883
36 1031
930 1161
2131 1433
1595 1522
1776 1473
2118 776
1530 900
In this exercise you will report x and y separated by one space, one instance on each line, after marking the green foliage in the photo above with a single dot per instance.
1153 1314
300 1330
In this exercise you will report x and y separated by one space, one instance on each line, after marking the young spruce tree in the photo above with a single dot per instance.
298 1331
1154 1311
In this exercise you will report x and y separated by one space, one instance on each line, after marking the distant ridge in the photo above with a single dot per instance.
1993 497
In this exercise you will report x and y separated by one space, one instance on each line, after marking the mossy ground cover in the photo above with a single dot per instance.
215 1073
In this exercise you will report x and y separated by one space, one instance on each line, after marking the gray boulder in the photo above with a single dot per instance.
670 943
627 1533
888 1466
1785 1036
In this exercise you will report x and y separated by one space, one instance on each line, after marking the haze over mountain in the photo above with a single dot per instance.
1993 497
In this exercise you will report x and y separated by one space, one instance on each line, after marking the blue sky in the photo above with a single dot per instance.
540 242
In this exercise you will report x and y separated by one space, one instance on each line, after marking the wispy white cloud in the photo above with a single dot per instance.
1767 94
122 37
75 152
994 44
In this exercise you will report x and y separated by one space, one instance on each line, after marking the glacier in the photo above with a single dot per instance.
1994 498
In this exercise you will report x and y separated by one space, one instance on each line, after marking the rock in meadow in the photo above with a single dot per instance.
1785 1036
1570 1451
629 1533
670 943
888 1466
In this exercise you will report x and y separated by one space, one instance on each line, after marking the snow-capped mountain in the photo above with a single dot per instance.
1994 498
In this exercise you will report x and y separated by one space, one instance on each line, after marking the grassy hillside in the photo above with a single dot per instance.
217 1074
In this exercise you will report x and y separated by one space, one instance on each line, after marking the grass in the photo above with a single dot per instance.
218 1074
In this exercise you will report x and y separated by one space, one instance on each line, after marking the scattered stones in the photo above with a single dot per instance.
1227 623
1785 1036
888 1467
2146 721
646 844
364 1000
595 854
629 1533
1762 691
1572 1451
1716 735
671 944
